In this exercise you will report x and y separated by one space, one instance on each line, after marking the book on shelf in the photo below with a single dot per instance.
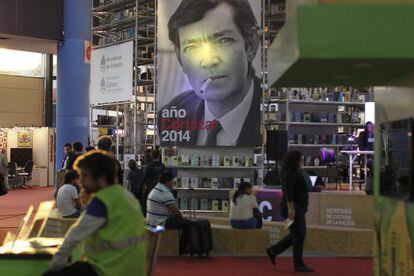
185 182
324 117
300 139
204 204
215 160
339 118
237 182
225 205
205 183
226 161
355 118
194 204
331 118
214 183
248 161
306 117
194 182
215 205
236 161
185 161
177 182
247 179
195 160
226 183
174 160
204 160
183 203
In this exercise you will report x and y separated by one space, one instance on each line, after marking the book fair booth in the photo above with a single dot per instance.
168 109
296 85
31 155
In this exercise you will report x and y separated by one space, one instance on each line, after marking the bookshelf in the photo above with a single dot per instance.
133 124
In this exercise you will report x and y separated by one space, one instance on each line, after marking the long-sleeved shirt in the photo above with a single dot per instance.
295 188
94 218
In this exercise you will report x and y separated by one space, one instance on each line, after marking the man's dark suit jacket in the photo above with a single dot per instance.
363 141
194 106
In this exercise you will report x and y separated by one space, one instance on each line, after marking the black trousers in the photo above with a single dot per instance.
75 269
184 226
296 237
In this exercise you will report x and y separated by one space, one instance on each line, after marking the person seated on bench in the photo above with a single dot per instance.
162 209
67 199
244 213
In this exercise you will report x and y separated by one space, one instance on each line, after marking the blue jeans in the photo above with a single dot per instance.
251 223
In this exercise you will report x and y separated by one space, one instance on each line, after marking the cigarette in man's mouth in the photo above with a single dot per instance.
205 85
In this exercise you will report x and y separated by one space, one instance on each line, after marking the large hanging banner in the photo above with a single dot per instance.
208 85
111 74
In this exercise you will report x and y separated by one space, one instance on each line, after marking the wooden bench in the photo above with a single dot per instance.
169 243
320 239
239 242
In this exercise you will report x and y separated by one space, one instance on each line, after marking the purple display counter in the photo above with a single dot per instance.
269 203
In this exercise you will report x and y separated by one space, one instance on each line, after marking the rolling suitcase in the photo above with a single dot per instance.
200 234
201 238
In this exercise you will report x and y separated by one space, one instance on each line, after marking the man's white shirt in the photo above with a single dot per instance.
231 122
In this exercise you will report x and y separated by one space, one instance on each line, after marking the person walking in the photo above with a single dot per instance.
294 207
105 143
133 181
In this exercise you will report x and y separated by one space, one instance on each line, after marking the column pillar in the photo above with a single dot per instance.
72 107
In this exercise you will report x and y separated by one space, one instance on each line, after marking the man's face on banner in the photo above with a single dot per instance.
213 47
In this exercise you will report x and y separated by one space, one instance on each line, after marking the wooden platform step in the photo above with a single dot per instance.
238 242
320 239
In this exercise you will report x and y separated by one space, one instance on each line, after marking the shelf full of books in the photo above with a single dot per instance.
206 176
319 121
130 121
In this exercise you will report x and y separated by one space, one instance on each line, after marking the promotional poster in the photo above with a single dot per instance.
25 138
111 74
208 79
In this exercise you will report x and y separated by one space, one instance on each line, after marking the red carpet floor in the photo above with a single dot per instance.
220 266
14 205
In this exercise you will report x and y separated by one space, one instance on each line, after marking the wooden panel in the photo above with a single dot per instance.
346 210
21 101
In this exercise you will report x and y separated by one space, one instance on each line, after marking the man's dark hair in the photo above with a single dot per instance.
67 145
89 148
77 146
367 124
99 164
70 176
155 154
190 11
132 165
166 176
105 143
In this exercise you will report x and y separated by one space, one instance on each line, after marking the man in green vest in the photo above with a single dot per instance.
111 229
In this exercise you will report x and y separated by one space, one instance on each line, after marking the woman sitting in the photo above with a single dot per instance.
245 212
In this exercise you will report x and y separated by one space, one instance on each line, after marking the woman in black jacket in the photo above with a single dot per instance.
294 206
